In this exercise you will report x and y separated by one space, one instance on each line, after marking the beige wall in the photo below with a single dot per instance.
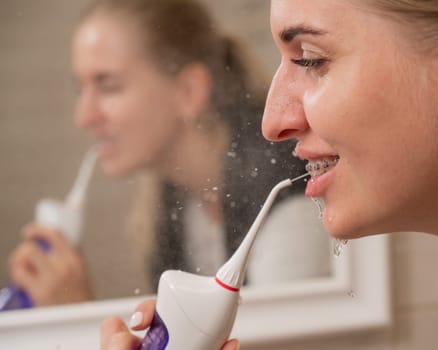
40 152
40 149
414 260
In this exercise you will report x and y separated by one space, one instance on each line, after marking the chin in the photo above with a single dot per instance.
342 226
345 229
115 170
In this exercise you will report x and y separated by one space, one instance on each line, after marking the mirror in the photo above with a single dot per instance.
38 102
36 108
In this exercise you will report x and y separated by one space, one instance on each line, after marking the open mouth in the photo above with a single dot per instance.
318 167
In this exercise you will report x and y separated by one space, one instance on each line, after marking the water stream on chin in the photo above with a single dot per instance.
338 246
320 205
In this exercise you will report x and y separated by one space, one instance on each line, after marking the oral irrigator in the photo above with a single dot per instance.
198 312
65 216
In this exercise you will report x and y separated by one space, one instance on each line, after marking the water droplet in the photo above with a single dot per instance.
338 246
215 189
320 205
273 161
351 293
174 216
198 269
136 291
228 195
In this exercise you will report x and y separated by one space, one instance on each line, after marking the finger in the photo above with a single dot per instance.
123 341
23 276
143 315
27 257
116 336
63 256
231 345
56 240
108 327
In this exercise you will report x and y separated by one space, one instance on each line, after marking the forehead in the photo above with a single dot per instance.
326 15
103 35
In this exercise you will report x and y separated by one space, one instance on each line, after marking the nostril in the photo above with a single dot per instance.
286 134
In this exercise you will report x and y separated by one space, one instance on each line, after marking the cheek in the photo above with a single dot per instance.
343 107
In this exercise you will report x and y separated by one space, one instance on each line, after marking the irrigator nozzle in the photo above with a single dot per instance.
76 196
232 273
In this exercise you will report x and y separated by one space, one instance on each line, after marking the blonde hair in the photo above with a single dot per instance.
419 14
176 33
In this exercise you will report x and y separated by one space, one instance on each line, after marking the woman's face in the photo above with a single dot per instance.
362 103
125 103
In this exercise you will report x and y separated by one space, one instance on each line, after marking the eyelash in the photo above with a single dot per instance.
309 63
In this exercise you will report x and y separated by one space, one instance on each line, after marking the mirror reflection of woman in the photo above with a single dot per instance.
165 94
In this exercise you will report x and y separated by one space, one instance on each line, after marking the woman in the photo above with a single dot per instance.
354 92
163 92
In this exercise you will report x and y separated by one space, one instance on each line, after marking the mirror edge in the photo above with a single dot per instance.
356 297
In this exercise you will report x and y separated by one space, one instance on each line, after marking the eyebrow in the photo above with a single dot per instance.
287 35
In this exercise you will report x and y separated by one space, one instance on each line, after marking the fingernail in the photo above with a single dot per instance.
136 319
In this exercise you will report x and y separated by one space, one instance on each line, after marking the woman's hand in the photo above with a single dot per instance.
55 276
115 335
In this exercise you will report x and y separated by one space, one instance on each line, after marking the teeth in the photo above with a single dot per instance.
321 166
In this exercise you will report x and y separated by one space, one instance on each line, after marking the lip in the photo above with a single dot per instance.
317 186
105 147
307 153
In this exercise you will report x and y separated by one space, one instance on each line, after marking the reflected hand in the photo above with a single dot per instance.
115 335
57 276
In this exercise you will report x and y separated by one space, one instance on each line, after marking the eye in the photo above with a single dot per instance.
107 84
109 87
308 62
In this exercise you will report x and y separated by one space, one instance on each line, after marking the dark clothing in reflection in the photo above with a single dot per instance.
253 166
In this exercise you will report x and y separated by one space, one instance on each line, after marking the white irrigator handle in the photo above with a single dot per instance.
66 216
76 197
232 273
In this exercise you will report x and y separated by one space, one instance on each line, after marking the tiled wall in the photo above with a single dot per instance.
35 114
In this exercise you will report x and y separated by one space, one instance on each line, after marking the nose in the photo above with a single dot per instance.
87 113
284 117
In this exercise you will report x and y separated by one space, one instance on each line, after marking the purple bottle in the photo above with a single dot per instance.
13 297
157 336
